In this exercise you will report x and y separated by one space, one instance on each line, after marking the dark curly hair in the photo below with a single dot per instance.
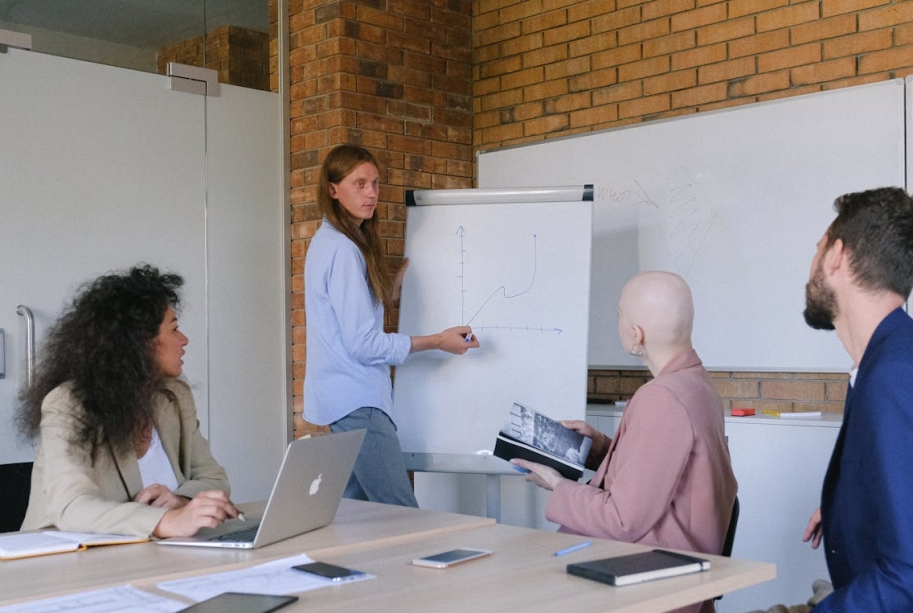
102 345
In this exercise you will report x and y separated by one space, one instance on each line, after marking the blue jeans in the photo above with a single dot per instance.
380 473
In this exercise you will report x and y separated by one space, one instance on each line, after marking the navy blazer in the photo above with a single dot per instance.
867 499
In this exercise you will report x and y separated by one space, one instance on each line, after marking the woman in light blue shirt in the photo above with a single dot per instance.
346 289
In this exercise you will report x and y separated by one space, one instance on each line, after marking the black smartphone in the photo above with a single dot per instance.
239 602
330 571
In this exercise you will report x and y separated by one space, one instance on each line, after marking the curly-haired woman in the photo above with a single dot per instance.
119 448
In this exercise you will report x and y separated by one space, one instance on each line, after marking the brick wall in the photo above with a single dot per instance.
547 68
240 56
394 76
550 68
774 391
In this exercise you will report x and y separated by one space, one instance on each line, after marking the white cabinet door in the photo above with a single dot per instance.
102 168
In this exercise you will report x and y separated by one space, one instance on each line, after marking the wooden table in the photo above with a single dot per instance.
523 574
356 523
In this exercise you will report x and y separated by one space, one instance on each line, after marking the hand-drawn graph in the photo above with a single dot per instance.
518 275
470 316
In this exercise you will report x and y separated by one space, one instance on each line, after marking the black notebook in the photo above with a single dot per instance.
639 567
529 435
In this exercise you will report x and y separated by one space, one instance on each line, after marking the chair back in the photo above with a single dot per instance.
15 484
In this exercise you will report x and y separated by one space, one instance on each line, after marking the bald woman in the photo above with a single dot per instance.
665 479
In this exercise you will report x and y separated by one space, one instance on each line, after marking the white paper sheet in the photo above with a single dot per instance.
276 577
119 599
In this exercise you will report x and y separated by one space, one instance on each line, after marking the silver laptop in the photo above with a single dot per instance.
306 495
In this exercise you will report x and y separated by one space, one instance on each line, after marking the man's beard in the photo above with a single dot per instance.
820 302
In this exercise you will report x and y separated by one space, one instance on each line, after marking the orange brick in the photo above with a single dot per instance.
823 29
580 10
788 58
548 89
643 68
726 31
737 388
664 8
759 43
643 31
573 31
699 56
672 81
522 78
888 16
543 21
562 69
740 8
644 106
500 67
617 93
592 44
788 16
824 71
700 95
499 134
855 44
697 18
837 7
724 71
521 44
502 99
572 102
892 59
522 112
835 391
593 80
665 45
544 125
617 56
615 20
903 35
545 56
498 34
792 390
759 84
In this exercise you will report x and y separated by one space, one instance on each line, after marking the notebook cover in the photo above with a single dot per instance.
638 567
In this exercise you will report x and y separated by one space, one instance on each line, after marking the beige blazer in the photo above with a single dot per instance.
73 491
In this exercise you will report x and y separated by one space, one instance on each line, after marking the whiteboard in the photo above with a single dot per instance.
734 201
518 274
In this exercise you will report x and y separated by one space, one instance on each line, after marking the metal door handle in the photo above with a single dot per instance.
29 343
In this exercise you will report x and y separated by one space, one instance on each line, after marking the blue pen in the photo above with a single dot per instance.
574 548
469 337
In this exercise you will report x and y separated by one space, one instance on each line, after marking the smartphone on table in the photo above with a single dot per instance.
330 571
450 558
238 602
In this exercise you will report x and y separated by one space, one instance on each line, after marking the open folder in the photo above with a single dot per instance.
28 544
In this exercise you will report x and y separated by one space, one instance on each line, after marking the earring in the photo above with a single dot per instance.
637 349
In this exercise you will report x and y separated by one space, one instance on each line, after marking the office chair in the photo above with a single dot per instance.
730 533
16 484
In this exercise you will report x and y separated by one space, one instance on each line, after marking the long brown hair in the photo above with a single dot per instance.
341 161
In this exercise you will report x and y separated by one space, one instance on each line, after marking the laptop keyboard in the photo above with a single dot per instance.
241 536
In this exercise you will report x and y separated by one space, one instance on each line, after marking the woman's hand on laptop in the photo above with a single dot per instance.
205 510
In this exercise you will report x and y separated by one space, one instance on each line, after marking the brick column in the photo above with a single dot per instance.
394 76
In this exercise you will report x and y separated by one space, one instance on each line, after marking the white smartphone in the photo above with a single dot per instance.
452 557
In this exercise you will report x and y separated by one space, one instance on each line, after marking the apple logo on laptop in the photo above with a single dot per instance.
315 485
